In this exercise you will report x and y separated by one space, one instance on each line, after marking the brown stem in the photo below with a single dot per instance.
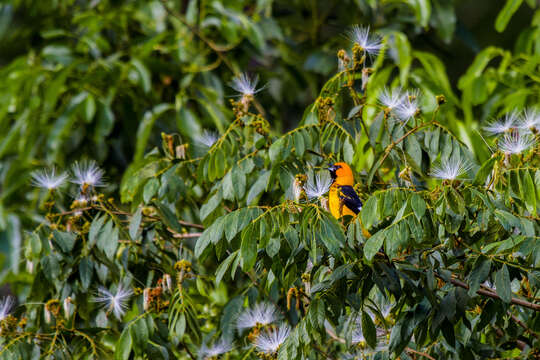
185 223
322 352
522 324
521 345
186 236
493 295
408 349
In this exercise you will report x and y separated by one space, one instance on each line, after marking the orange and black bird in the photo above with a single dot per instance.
342 198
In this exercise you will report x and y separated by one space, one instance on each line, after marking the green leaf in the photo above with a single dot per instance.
35 244
145 129
239 183
479 274
368 328
227 186
108 239
369 212
208 207
331 235
422 10
414 151
168 217
484 172
222 268
502 284
528 192
51 267
135 223
140 333
210 236
150 189
248 248
418 205
376 129
65 241
86 270
275 150
348 151
143 74
373 244
123 345
258 187
299 143
506 14
455 201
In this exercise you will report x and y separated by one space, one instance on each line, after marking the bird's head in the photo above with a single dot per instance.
341 173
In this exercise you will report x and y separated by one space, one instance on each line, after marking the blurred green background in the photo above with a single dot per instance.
103 79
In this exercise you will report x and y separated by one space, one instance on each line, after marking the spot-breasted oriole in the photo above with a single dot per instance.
342 198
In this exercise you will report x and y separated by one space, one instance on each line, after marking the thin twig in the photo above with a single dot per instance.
408 349
494 295
522 324
186 236
185 223
322 352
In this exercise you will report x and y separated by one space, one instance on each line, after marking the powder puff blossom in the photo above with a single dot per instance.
501 126
207 138
218 348
370 44
245 84
261 314
87 173
392 98
516 143
318 185
49 180
115 302
270 340
408 108
451 169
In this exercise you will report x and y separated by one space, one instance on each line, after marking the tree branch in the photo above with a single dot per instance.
408 349
185 223
494 295
186 236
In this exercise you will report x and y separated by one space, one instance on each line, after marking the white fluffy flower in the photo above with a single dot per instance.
87 173
261 314
408 108
530 120
48 179
451 169
318 185
115 302
220 347
207 138
270 340
6 305
501 126
370 44
245 84
392 98
516 143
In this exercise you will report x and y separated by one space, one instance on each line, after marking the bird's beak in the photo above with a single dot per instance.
332 168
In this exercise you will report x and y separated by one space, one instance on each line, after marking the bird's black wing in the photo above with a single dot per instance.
350 198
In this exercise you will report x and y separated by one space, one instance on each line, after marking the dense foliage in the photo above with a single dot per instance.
220 243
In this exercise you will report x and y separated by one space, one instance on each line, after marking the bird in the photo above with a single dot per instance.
342 198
